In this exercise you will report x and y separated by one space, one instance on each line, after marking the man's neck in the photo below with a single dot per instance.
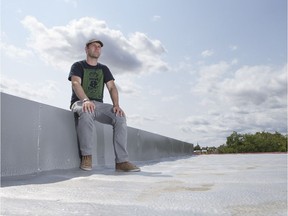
92 62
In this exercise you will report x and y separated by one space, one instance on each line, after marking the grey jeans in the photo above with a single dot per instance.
103 113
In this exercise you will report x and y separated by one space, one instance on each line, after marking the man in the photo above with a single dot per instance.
88 78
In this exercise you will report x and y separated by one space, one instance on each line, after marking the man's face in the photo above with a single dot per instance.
93 50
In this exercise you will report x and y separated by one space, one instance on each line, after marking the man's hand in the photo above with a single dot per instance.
118 111
88 106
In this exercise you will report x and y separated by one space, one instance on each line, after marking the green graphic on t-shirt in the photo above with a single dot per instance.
93 83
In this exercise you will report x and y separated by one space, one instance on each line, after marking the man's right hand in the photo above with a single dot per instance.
88 106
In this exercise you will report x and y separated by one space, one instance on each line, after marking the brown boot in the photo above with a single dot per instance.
126 167
86 162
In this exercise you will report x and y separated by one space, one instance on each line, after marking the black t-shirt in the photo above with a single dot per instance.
93 79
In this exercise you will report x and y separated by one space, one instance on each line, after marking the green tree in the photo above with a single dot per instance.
197 147
258 142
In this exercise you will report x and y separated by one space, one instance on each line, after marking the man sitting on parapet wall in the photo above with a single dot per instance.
88 78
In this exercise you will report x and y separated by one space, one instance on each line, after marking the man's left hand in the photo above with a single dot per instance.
118 111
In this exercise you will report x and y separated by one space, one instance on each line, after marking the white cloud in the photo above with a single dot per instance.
74 3
170 98
256 85
207 53
15 52
196 120
156 18
242 86
245 99
141 120
33 91
126 85
60 46
233 47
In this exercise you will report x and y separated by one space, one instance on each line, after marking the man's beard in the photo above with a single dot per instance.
94 56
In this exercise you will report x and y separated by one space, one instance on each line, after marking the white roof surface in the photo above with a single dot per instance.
236 184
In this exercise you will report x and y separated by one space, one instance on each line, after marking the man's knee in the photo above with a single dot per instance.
121 119
86 117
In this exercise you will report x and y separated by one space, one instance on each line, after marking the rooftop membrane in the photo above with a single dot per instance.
202 185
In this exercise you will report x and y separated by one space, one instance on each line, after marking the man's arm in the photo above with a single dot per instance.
76 85
114 97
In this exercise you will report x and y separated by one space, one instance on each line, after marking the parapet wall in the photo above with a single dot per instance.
36 137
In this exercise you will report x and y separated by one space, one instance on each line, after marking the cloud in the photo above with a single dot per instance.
15 52
196 120
245 99
126 85
242 86
60 46
33 91
256 85
140 120
207 53
170 98
233 47
156 18
74 3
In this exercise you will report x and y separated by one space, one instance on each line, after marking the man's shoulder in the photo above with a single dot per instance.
80 63
101 65
76 69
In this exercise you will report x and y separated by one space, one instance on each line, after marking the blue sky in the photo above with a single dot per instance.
193 70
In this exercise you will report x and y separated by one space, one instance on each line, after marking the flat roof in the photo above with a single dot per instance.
232 184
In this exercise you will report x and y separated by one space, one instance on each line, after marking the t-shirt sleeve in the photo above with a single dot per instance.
76 70
107 74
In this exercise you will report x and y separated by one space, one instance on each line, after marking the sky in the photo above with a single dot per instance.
192 70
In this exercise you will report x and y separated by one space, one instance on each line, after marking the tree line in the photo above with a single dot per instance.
250 143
